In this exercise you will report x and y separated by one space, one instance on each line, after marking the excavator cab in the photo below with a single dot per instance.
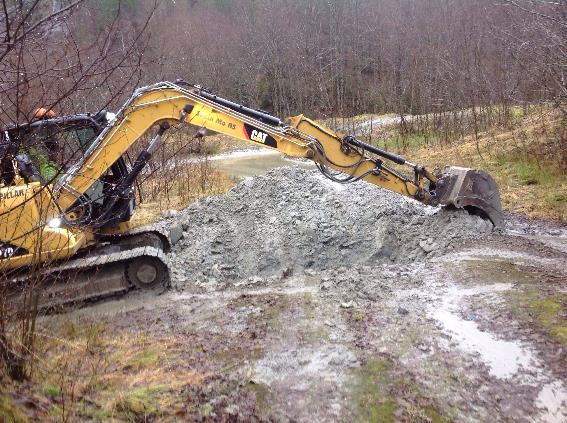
46 147
42 150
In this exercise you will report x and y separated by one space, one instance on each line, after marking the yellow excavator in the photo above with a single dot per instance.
76 226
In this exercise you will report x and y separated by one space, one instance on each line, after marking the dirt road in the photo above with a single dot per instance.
305 324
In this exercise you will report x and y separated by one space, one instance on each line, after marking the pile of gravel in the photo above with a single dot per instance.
292 220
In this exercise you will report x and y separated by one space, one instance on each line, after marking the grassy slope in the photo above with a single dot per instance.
177 187
88 373
523 160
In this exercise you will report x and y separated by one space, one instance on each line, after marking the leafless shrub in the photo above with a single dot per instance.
51 58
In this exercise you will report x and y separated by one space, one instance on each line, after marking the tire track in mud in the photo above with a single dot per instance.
308 358
350 344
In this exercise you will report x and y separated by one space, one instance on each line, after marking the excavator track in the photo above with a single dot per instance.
135 260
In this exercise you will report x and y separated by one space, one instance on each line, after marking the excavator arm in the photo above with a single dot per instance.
341 158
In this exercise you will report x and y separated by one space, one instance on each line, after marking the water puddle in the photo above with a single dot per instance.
238 154
254 162
504 358
246 163
553 398
497 255
475 271
231 155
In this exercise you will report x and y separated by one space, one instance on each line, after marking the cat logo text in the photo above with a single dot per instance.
258 136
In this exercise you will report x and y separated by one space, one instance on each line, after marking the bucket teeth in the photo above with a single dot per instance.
471 189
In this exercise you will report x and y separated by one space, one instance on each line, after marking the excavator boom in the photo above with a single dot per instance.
171 103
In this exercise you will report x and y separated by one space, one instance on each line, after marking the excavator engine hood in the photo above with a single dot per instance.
471 189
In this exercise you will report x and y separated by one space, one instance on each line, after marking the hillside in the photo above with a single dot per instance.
528 159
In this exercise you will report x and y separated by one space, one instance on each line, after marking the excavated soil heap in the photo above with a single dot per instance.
292 220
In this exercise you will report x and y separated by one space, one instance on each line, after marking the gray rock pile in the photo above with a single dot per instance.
292 220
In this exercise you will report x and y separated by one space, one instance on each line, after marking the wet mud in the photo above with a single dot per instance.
304 301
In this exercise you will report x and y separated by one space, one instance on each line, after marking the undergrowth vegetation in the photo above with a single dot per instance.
181 173
87 372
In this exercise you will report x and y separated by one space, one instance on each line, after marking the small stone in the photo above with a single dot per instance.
309 272
255 279
336 361
287 272
325 286
232 410
403 311
169 214
423 348
471 317
303 361
350 304
216 271
428 246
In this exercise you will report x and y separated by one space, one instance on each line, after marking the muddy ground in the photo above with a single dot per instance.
317 324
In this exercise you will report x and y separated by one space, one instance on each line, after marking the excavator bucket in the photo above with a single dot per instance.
470 189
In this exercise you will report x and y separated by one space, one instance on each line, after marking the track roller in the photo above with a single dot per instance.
147 272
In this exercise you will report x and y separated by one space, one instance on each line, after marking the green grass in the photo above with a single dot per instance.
146 358
525 171
517 112
376 391
52 391
140 403
524 160
546 313
9 412
262 393
547 183
405 143
371 392
434 416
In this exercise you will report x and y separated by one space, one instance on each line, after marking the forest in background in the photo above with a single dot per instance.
461 68
318 57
